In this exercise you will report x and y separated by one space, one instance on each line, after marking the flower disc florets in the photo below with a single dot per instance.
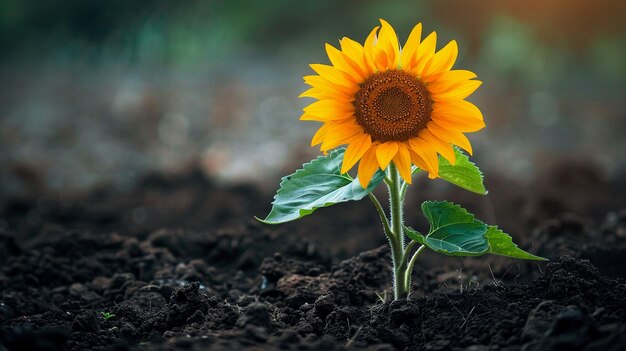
392 106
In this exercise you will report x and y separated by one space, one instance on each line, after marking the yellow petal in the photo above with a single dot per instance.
458 114
441 82
424 52
458 107
464 126
319 136
334 75
318 116
355 150
367 167
380 59
329 106
330 127
418 160
450 135
402 160
427 154
339 134
354 51
385 153
330 94
459 91
442 147
320 94
388 43
442 61
344 63
311 92
368 49
408 51
324 84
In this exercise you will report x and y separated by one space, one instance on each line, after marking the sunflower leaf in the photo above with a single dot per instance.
317 184
455 232
502 244
464 173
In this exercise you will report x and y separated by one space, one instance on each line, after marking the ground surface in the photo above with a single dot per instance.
180 265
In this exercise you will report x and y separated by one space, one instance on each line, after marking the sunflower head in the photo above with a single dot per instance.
392 104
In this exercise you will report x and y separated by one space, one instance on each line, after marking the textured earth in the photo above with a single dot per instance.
178 263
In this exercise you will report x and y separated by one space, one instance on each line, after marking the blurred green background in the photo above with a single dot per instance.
102 92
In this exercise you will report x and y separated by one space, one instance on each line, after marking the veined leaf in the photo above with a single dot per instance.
318 183
455 232
464 173
502 244
442 213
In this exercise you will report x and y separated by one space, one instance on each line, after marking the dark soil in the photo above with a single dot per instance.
180 265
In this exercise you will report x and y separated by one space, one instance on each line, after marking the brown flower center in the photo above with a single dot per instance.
392 106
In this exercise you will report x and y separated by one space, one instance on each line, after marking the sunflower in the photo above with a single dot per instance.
392 104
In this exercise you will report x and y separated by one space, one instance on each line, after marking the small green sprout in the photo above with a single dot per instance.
107 315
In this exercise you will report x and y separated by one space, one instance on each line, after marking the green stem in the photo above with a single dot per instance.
395 203
397 227
394 243
394 230
409 269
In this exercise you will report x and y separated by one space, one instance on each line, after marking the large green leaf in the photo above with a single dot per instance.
455 232
464 173
318 183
